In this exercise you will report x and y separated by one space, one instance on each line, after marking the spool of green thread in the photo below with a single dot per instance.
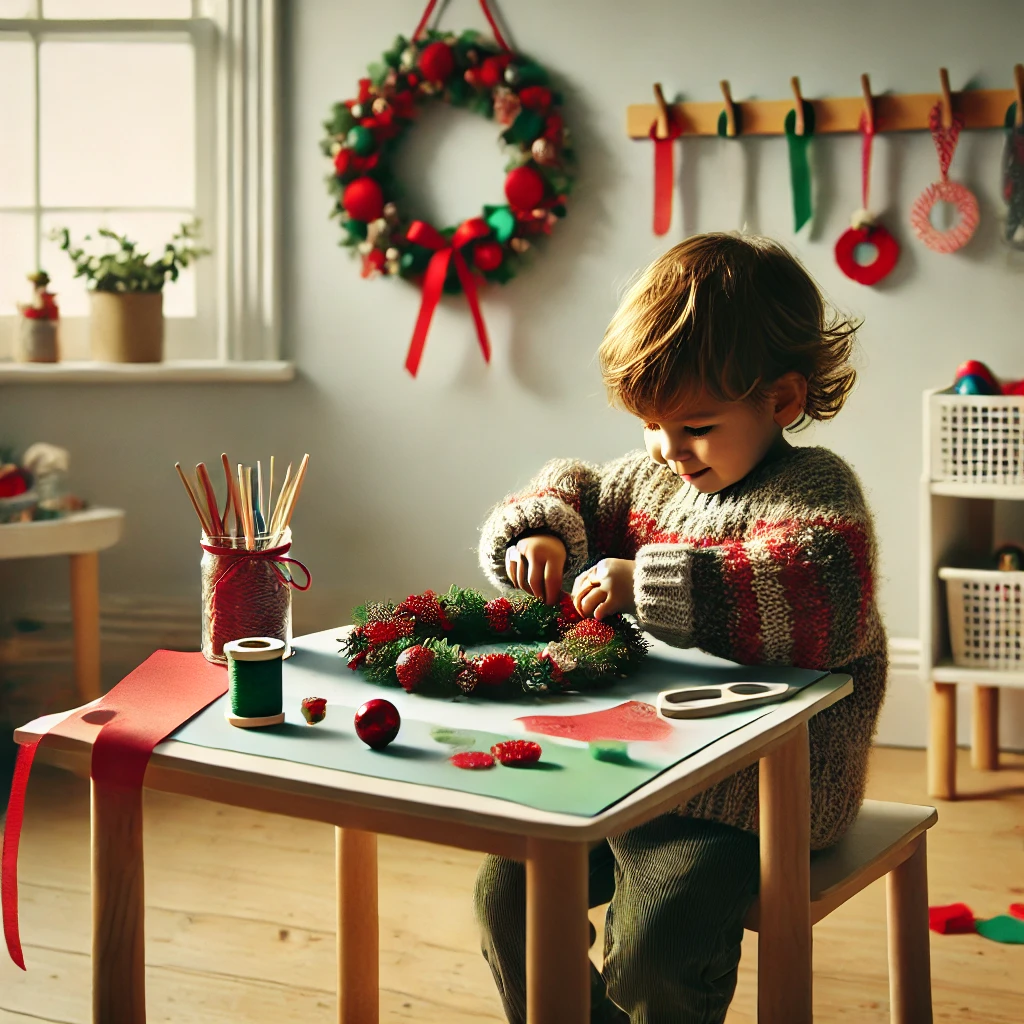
254 681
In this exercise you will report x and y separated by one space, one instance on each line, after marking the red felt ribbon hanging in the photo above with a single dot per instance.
664 174
498 37
863 229
445 251
164 692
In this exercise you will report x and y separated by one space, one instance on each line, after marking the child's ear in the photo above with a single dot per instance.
789 398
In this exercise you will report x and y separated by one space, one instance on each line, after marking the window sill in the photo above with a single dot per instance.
173 371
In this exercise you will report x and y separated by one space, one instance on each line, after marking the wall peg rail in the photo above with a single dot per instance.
979 108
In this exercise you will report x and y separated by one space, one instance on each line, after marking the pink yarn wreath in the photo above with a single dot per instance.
960 233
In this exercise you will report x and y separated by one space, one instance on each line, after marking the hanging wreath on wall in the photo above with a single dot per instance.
363 135
420 645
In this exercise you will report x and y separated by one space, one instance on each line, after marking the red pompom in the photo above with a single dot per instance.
553 128
437 62
494 669
342 161
13 483
492 71
425 608
499 614
515 753
536 97
377 723
488 256
472 759
364 199
591 631
413 666
524 188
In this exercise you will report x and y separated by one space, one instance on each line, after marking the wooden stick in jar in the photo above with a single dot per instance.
207 527
236 502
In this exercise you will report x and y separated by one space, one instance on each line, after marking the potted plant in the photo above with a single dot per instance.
37 331
126 324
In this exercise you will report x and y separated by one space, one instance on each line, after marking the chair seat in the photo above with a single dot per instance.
882 837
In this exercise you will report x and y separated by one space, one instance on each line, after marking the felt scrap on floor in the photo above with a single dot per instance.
633 720
1017 910
954 919
1002 929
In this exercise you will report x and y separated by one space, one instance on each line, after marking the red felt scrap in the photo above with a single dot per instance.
633 720
514 753
472 759
164 692
1017 910
954 919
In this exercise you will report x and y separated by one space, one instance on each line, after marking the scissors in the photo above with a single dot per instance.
704 701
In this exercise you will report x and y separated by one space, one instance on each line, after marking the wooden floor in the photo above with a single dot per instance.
240 915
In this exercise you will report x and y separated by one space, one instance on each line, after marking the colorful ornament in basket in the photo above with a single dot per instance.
945 191
364 133
420 645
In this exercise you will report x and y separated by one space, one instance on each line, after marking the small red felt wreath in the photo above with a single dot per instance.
888 252
960 233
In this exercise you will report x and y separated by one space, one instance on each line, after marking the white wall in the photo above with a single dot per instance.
403 470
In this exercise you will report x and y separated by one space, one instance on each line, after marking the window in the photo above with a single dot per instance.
137 115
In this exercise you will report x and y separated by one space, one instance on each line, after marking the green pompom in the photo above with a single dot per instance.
360 140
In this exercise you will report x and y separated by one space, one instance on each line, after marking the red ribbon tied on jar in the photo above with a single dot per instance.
446 251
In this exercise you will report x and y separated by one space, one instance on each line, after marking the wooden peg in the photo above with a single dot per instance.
869 104
661 126
730 109
800 126
946 101
1018 81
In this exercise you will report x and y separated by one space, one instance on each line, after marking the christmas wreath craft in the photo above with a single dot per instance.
362 137
420 645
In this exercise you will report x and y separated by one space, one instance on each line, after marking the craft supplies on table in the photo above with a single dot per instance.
254 681
705 701
246 572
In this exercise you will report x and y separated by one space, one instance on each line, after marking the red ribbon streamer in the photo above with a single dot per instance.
445 251
867 132
164 692
498 37
273 555
664 174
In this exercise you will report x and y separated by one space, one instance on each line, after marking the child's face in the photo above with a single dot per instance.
711 444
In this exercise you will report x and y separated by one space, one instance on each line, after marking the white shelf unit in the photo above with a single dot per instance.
957 527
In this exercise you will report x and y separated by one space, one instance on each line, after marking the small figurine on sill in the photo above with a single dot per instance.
35 487
37 340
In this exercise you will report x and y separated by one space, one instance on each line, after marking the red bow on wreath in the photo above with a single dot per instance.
445 251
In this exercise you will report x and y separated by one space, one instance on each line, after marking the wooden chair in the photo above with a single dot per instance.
886 839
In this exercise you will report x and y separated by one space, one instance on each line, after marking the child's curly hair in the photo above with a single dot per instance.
728 314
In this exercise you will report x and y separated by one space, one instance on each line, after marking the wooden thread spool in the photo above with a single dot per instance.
254 681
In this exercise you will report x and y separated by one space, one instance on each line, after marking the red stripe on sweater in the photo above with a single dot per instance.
808 600
745 621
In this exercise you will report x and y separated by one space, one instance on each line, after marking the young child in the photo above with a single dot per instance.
720 536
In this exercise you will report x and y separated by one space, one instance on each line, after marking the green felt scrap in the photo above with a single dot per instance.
501 220
612 751
1002 929
800 166
452 737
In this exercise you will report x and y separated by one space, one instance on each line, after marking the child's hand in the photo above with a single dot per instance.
535 564
605 590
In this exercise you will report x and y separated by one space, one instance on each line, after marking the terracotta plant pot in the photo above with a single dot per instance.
127 327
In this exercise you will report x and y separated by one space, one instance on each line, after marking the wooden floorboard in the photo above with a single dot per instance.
240 915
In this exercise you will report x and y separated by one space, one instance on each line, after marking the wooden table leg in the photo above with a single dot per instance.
358 936
910 976
784 937
85 618
942 742
557 933
985 729
118 907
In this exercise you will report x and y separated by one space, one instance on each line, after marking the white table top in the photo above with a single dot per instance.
91 530
330 795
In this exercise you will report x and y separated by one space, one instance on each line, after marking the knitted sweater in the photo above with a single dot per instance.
775 569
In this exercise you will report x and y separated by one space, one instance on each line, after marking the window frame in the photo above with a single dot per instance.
237 62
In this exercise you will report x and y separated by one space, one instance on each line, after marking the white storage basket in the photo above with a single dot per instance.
986 617
976 439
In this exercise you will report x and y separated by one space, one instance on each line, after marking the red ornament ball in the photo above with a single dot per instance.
492 71
516 753
975 368
524 188
437 62
413 666
363 199
377 723
472 759
488 256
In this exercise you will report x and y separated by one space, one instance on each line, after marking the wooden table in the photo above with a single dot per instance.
554 847
80 536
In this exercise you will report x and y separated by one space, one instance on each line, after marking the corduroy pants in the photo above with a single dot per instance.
678 888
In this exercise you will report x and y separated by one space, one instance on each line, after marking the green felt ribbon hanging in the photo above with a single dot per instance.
799 165
1013 178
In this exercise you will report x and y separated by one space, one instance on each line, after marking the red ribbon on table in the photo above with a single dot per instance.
445 252
164 692
664 175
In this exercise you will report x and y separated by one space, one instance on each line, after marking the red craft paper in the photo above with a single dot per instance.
954 919
164 692
1017 910
634 720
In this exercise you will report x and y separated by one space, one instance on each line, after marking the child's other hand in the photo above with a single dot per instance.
535 564
605 590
